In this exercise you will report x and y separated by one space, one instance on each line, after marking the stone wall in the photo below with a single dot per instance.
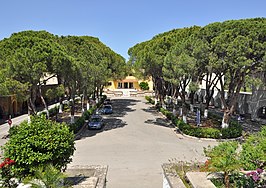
249 103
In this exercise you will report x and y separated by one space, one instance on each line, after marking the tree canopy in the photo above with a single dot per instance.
227 53
82 64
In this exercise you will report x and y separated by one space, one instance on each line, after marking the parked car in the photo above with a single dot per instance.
107 101
107 109
96 122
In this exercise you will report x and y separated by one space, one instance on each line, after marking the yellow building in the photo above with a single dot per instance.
130 83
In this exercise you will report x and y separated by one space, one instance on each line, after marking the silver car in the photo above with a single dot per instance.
96 122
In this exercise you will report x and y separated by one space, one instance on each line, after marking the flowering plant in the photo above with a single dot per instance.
6 173
257 177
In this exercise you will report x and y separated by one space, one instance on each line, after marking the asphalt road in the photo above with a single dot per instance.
135 142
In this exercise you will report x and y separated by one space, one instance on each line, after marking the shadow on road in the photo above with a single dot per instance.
151 110
159 122
121 107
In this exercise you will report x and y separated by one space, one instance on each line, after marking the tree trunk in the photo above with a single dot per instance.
60 105
101 90
191 107
97 93
31 101
28 115
155 101
184 118
174 111
226 118
43 101
72 113
226 180
83 102
206 111
184 113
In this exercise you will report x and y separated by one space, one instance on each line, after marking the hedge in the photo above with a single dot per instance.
149 99
233 131
75 127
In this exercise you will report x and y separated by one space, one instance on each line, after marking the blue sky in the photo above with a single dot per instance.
120 24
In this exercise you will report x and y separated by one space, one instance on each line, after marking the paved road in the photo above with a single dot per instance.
134 144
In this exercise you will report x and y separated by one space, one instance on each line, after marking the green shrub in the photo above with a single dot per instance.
144 86
223 158
149 99
53 111
253 154
75 127
214 116
39 143
48 176
91 110
86 115
211 133
233 131
165 112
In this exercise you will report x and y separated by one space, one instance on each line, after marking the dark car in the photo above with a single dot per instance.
107 109
107 101
96 122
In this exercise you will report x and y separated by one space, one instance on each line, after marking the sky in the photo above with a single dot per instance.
120 24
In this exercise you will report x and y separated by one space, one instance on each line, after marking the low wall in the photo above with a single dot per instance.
93 175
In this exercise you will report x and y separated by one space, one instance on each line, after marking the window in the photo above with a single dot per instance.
120 85
109 83
131 85
125 85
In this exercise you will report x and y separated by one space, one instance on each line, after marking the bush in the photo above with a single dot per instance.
233 131
39 143
86 115
214 116
149 99
144 86
75 127
53 111
253 154
223 158
48 176
6 174
168 114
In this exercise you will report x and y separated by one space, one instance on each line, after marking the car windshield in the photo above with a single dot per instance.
95 119
108 107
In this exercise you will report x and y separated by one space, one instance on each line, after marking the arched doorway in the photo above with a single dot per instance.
262 112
